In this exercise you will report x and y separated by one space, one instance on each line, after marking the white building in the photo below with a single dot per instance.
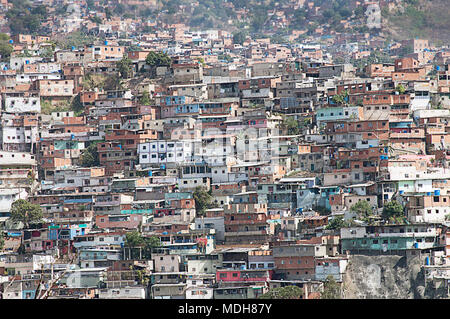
15 104
123 293
162 152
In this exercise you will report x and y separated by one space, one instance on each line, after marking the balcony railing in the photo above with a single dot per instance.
246 233
245 222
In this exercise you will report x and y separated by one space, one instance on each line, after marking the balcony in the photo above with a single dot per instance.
421 134
245 222
63 219
432 233
13 174
246 233
106 202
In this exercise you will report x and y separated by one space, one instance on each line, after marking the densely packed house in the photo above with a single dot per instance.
208 177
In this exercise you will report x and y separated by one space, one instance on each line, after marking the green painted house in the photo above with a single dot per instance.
390 238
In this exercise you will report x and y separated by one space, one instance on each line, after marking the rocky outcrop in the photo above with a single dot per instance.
385 276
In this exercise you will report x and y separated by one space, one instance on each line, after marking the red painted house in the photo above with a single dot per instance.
247 275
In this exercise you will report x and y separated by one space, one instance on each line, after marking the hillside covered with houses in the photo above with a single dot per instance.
223 150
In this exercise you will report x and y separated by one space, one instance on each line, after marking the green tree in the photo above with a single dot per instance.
392 209
258 20
336 223
25 18
89 157
362 209
359 12
140 246
76 105
120 9
201 61
5 47
2 241
203 200
25 212
287 292
145 98
405 50
135 243
156 59
341 98
96 20
376 56
299 19
400 89
113 82
345 12
134 239
239 37
322 210
124 67
108 13
142 277
331 289
328 14
292 126
151 243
